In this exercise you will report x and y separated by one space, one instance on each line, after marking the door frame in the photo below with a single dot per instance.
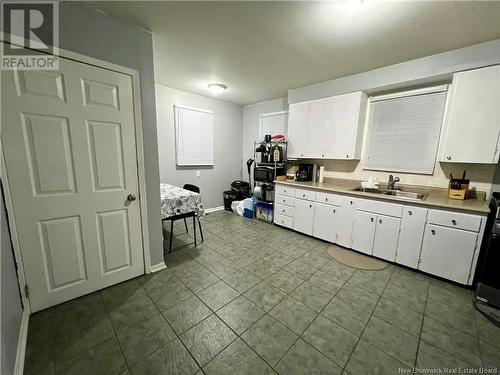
141 170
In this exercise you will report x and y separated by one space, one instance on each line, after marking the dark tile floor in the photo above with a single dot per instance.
258 299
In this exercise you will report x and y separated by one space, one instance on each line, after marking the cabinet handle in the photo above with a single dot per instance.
371 219
322 155
454 222
303 195
410 213
448 157
351 202
347 156
433 231
380 221
326 199
310 206
334 211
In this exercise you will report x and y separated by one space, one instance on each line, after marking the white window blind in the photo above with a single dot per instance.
194 136
273 123
404 131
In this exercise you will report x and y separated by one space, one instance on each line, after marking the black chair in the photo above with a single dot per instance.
193 214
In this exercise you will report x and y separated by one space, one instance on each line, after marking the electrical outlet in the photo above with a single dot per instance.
198 174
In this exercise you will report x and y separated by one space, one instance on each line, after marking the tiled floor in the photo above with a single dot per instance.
258 299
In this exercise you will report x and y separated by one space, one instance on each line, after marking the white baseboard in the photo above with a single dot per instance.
158 267
21 343
208 210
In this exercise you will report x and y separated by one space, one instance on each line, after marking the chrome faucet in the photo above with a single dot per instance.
392 181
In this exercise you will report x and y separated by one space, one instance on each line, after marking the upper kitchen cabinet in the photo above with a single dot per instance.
298 124
349 112
328 128
472 126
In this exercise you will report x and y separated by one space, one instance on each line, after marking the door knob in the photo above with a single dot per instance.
131 197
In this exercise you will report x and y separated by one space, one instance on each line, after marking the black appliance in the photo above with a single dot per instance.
264 192
266 173
304 173
242 188
487 291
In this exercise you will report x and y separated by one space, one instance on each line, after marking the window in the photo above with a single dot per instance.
194 136
273 123
404 130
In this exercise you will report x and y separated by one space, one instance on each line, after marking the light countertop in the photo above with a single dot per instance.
437 197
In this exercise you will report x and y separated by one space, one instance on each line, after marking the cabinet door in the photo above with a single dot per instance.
386 237
473 118
348 118
363 232
345 221
298 125
325 222
448 252
303 216
320 137
411 235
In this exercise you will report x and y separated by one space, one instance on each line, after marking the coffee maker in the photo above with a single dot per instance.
304 173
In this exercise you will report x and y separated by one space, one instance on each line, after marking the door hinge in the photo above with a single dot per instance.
26 291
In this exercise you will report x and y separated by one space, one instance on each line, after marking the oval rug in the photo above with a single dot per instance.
352 258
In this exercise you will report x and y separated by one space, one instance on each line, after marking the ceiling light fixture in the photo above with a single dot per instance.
217 88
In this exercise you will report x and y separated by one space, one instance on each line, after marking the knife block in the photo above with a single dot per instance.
461 192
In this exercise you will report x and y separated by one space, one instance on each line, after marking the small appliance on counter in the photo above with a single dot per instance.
304 173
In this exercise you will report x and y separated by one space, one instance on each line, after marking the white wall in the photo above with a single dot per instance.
251 126
418 71
11 308
228 135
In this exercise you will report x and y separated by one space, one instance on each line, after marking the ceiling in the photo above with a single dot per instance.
262 49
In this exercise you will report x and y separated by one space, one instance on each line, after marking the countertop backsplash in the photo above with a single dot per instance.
480 175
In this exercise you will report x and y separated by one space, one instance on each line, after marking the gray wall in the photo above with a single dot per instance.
426 69
92 33
11 308
251 126
228 135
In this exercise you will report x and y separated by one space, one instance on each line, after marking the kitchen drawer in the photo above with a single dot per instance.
308 195
285 190
283 220
378 207
328 198
284 210
283 199
455 220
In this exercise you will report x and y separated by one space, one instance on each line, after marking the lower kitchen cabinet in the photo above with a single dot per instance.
325 222
363 232
303 217
441 242
345 218
386 237
448 252
411 235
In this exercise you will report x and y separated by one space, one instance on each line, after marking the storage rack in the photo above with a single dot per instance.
275 165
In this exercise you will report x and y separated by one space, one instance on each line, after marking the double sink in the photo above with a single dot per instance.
395 193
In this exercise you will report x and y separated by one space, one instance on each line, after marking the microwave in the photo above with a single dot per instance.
266 173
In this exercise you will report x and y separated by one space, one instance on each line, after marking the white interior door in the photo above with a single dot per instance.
69 144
